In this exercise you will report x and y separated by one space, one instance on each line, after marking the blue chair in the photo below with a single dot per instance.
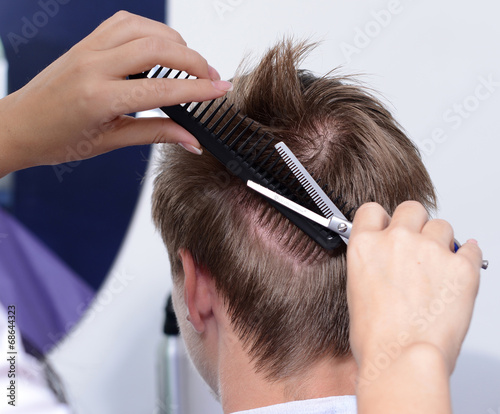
48 296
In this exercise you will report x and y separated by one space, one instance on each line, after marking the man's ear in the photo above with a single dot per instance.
198 292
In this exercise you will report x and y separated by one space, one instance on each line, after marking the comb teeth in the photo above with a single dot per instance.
212 115
264 148
233 131
216 123
241 135
245 143
205 111
238 143
348 213
227 124
196 107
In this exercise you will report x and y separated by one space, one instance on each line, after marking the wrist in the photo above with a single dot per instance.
418 376
423 356
423 359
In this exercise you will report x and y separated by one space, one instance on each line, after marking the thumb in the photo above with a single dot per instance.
128 131
472 252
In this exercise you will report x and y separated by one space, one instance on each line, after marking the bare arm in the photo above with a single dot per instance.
410 300
76 107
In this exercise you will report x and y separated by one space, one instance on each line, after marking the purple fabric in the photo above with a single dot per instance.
49 297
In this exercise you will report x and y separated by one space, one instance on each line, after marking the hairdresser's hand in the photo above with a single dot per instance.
75 108
406 287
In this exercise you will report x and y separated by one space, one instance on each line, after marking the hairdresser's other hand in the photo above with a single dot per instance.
406 288
76 107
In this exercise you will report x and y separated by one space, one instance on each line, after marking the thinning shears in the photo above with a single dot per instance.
333 218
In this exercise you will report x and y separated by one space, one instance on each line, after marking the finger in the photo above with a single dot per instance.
128 131
144 94
471 251
369 217
439 230
124 27
140 55
411 215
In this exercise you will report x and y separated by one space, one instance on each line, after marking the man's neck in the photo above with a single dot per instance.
241 388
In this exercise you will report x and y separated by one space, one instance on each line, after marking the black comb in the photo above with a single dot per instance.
233 139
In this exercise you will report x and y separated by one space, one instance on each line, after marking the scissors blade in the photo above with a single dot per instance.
311 215
340 226
324 203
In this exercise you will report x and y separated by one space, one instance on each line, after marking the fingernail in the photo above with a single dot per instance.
223 85
191 148
214 75
473 241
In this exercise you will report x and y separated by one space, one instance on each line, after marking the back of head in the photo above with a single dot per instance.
285 294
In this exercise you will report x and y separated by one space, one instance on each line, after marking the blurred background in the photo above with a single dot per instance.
435 66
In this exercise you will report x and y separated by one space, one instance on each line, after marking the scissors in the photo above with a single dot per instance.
333 218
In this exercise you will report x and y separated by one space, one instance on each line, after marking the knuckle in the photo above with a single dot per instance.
129 21
371 206
177 36
442 223
199 60
150 45
193 60
411 208
88 94
442 226
161 88
122 15
90 90
412 204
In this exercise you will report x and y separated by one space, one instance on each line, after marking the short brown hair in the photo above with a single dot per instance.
284 293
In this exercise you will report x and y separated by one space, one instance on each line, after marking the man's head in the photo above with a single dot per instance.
284 295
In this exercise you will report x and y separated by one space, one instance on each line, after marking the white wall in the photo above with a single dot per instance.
4 181
427 58
3 72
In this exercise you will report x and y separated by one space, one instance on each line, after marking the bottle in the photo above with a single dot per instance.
181 389
171 356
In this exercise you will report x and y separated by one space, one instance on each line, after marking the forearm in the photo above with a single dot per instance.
10 151
415 382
